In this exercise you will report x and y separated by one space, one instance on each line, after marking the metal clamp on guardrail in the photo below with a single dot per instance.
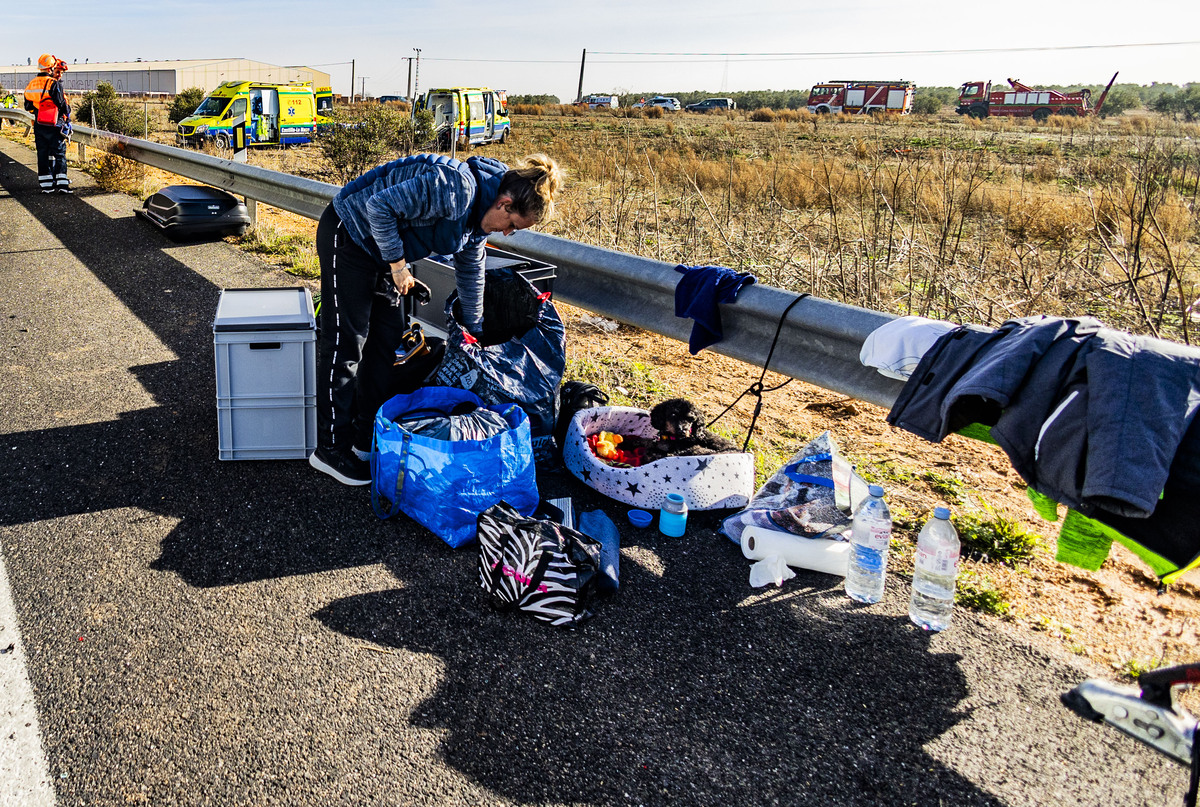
819 342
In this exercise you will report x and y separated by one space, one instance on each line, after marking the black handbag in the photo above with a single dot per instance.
537 566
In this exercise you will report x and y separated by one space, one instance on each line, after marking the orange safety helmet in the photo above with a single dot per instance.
47 61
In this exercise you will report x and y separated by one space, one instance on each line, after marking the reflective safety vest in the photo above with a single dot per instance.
37 92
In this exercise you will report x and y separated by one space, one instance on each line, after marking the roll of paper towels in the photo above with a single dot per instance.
817 554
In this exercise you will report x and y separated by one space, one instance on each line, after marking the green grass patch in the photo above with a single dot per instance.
886 473
297 254
626 383
995 538
949 486
976 592
1134 667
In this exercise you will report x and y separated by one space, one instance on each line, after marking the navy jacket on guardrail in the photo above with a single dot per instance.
1100 420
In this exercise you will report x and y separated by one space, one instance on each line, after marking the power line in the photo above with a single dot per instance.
957 51
745 57
507 61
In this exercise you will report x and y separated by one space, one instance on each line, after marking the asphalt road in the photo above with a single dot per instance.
206 632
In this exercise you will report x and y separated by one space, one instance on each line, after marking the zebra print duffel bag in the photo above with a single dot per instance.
538 566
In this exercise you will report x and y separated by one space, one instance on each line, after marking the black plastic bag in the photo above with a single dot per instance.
524 368
572 397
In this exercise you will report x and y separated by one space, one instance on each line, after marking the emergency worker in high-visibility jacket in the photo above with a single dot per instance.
44 98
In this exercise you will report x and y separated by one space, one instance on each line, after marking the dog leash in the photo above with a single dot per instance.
757 389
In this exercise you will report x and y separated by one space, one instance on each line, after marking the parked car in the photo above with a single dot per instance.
711 103
665 101
387 99
595 101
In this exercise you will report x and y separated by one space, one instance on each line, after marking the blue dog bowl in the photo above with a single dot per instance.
640 518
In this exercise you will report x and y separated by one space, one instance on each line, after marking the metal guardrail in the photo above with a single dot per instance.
818 343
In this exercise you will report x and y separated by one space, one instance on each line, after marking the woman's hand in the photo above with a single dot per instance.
402 277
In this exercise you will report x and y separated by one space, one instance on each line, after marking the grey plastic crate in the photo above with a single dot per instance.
266 428
263 364
264 343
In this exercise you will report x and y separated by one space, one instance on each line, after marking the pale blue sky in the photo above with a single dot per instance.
534 46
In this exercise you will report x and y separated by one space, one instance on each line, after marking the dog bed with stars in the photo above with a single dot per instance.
708 482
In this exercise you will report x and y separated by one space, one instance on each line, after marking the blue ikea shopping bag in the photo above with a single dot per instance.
445 484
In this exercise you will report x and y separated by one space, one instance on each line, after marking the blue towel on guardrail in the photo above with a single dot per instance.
696 297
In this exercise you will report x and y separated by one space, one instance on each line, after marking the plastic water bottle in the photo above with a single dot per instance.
672 517
870 539
932 602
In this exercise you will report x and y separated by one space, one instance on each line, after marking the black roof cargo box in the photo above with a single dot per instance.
192 211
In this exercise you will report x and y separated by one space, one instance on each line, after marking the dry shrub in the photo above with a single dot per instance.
1056 220
654 112
527 109
571 111
1071 123
1105 169
787 116
117 174
1136 124
708 174
763 115
1045 171
1175 218
860 148
794 187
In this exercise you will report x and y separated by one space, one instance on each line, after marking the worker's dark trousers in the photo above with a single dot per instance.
362 321
51 157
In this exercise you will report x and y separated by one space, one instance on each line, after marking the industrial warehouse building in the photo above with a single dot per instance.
169 78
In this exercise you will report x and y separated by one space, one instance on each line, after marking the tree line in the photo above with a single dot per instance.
1170 99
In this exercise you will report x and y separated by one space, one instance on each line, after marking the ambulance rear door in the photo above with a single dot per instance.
476 117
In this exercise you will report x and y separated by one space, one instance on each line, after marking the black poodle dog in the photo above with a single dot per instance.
681 431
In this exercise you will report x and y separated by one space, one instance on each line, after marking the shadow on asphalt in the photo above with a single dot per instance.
238 521
685 687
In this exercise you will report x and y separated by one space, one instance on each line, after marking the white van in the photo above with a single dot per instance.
600 101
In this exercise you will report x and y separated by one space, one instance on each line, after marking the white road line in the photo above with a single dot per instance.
24 771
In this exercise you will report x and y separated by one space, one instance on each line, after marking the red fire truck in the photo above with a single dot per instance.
861 97
978 99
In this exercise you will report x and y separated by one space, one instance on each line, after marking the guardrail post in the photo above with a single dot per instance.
81 152
252 209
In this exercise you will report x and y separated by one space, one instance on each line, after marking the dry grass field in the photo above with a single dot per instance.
973 221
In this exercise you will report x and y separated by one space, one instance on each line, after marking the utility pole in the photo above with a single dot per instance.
352 81
417 86
409 59
364 87
582 61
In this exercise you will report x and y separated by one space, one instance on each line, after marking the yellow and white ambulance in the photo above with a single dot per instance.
470 115
276 114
